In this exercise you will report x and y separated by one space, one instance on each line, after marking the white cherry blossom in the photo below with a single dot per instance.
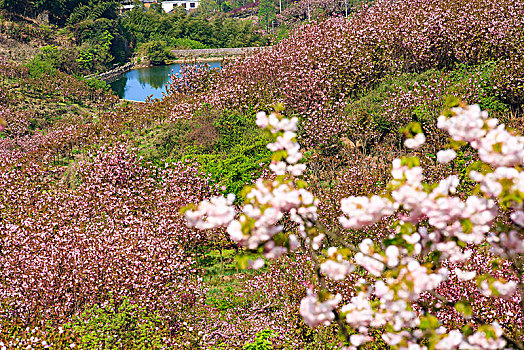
415 142
316 313
446 156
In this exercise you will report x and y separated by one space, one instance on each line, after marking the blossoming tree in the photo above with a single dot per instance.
433 229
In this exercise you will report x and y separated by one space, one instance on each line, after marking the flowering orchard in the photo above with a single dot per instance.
433 233
115 233
92 241
312 9
323 64
91 232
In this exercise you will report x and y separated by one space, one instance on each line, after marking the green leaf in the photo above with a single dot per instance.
429 322
467 226
464 308
242 261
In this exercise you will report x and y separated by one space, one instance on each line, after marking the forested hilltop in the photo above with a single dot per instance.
356 230
86 36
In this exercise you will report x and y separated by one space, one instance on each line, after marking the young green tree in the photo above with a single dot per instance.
208 6
266 14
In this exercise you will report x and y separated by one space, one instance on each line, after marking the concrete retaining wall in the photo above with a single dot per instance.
113 73
215 52
183 54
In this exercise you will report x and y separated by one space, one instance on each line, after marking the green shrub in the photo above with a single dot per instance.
97 84
96 55
184 43
118 325
236 168
45 62
371 103
45 32
478 85
37 67
238 152
157 51
262 341
228 146
401 99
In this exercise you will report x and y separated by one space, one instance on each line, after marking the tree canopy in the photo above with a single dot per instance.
61 10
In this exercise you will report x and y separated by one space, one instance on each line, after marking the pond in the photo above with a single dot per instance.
140 83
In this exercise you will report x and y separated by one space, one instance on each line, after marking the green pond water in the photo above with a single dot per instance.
140 83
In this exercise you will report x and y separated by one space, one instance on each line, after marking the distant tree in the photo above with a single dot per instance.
21 7
157 7
157 51
61 10
208 6
93 10
266 14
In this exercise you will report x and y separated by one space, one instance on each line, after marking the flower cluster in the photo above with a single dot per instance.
495 145
267 201
430 220
318 313
217 209
363 211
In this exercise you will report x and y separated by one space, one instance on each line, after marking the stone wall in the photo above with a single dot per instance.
181 54
113 73
215 52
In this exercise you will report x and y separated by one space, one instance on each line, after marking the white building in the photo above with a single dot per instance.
125 8
167 5
189 5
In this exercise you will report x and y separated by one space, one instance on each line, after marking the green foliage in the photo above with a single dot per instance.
385 109
62 11
97 84
91 22
208 6
106 36
86 58
93 10
158 52
223 299
483 75
236 168
38 67
282 32
370 107
73 11
118 325
91 57
174 140
217 262
266 13
51 58
100 39
228 146
218 31
46 32
461 163
20 334
262 341
184 43
233 127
